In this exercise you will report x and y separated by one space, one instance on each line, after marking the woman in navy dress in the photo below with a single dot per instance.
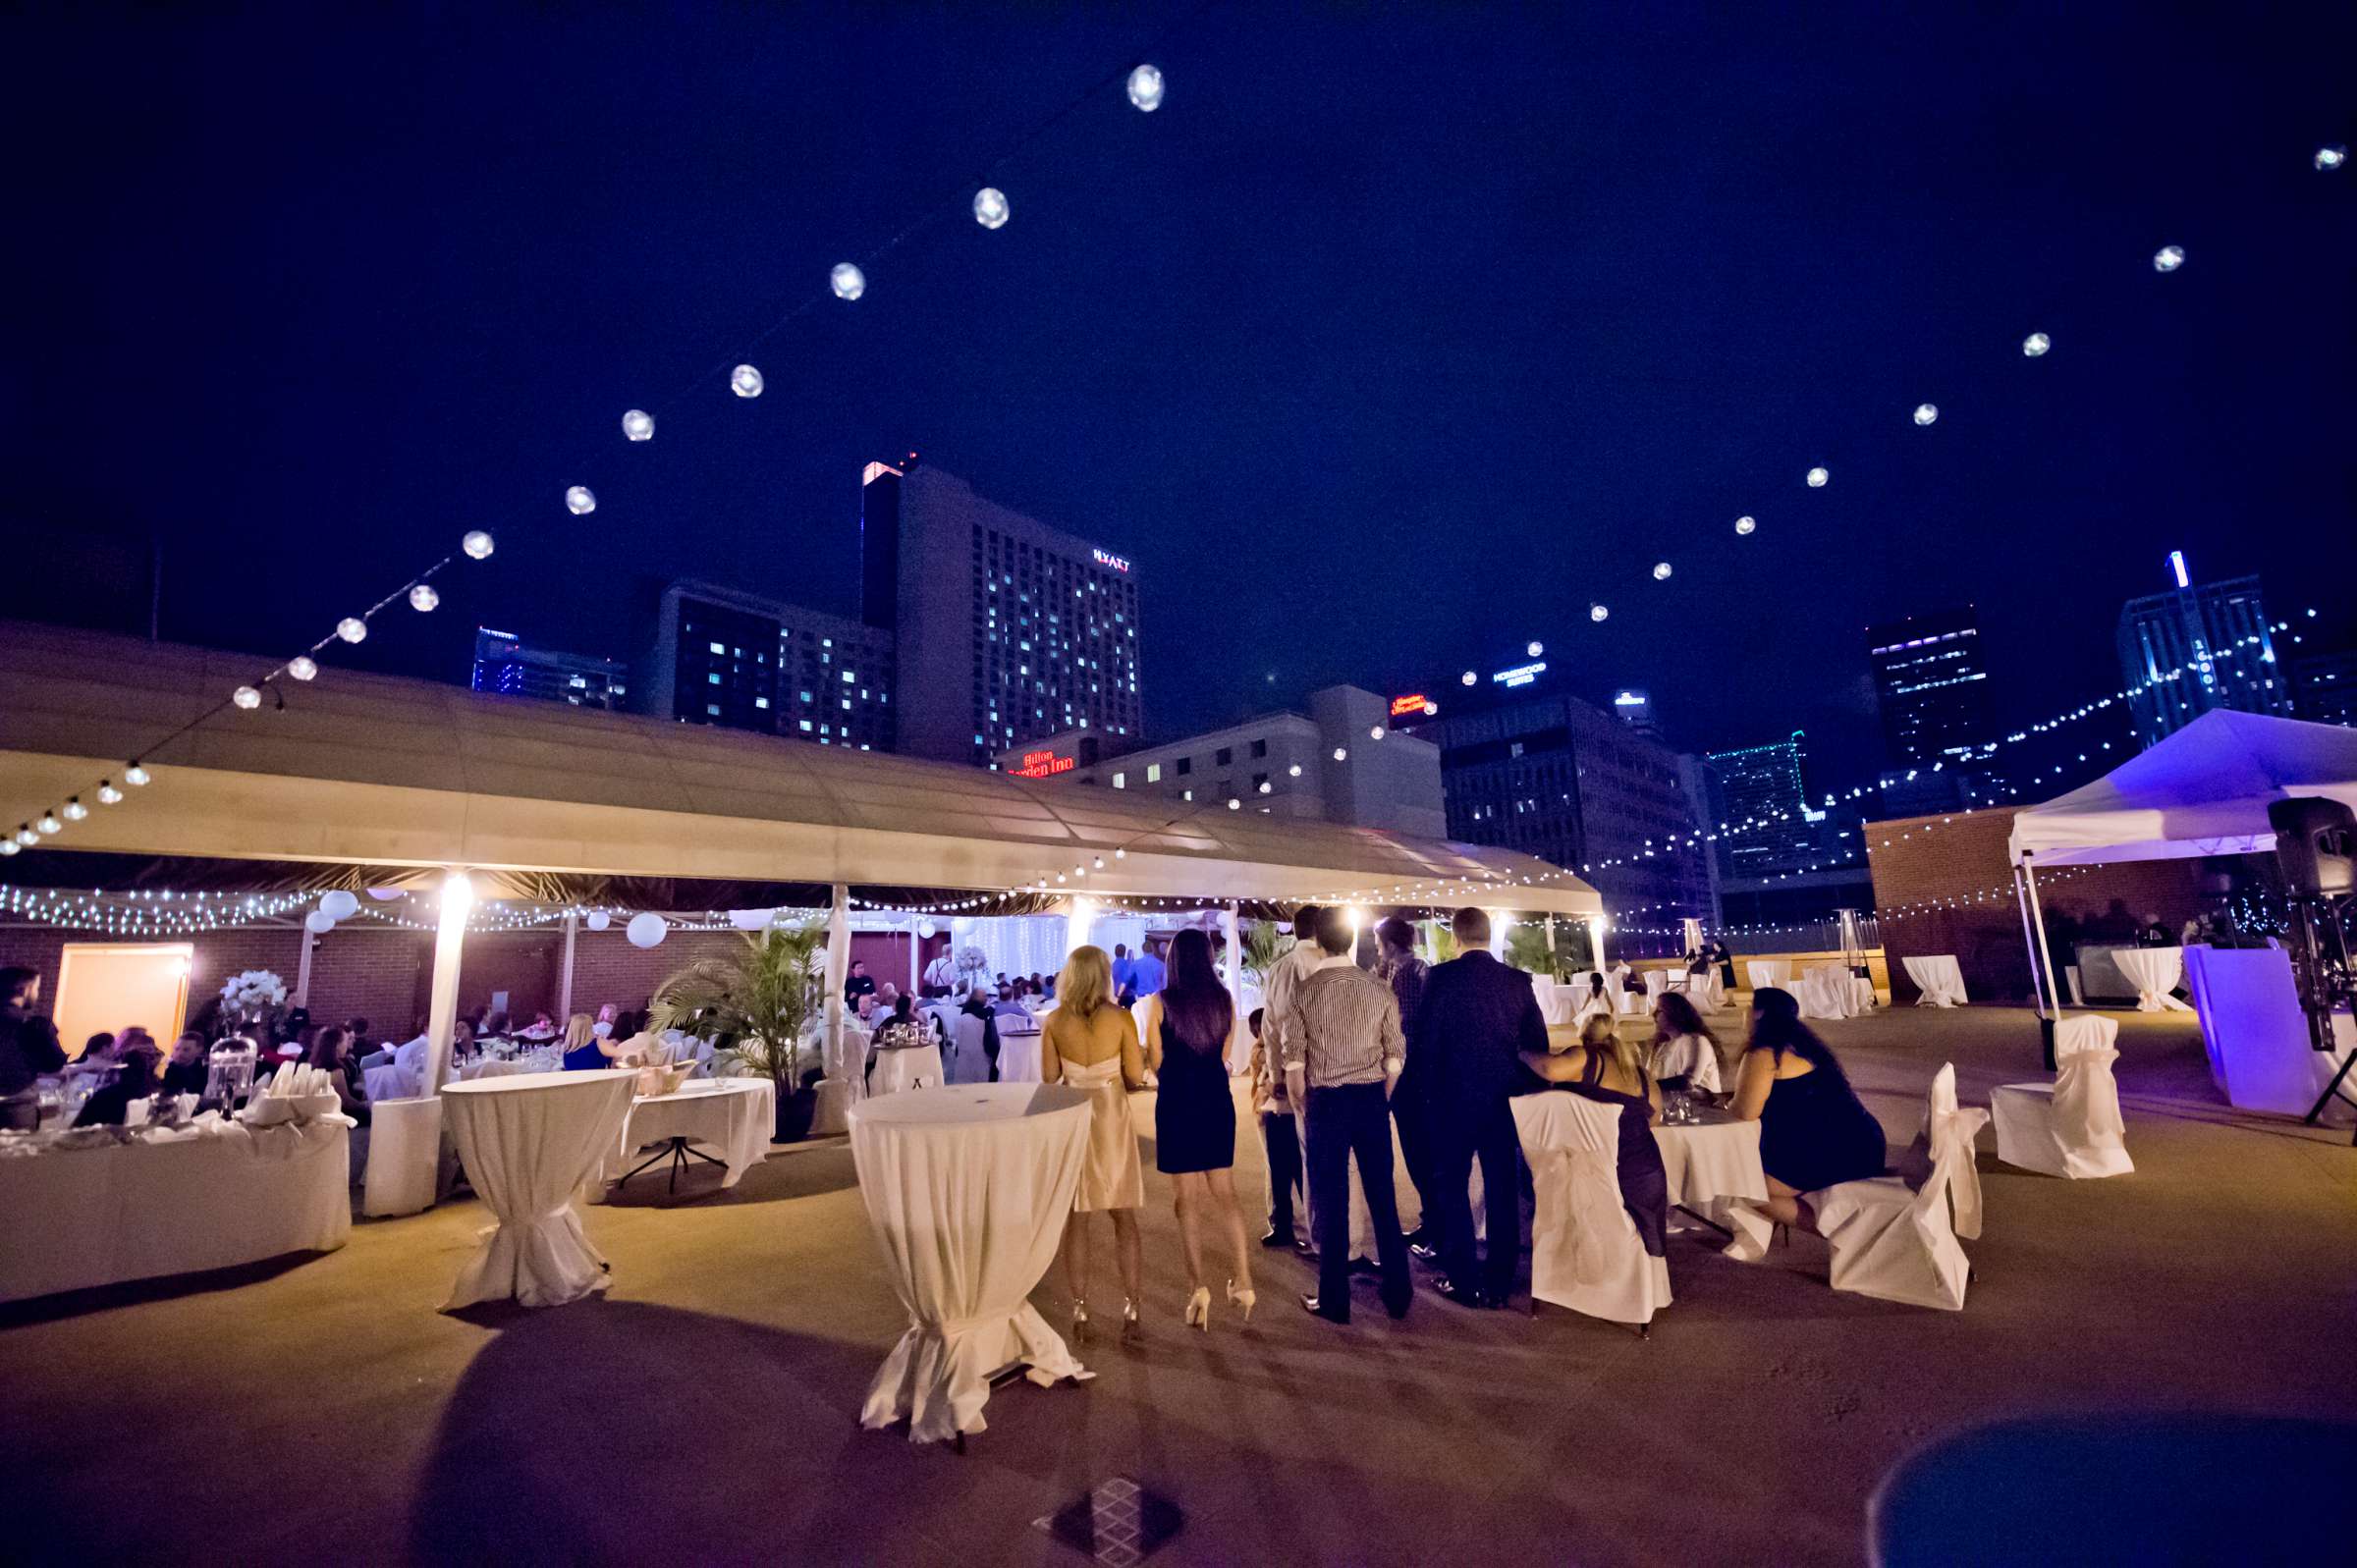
1188 1025
1608 1069
1814 1131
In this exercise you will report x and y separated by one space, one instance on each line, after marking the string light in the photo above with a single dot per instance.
745 381
579 501
1661 571
638 426
2328 159
848 281
990 207
2036 344
1745 525
302 666
352 628
476 544
1926 413
1145 88
1817 477
1599 613
2169 258
246 697
423 598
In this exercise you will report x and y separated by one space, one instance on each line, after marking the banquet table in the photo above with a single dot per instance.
1710 1161
1939 977
1825 992
529 1142
967 1190
900 1067
2154 973
172 1202
731 1120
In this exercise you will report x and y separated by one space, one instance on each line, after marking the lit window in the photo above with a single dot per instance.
1153 773
760 702
719 648
712 709
713 677
806 726
1120 781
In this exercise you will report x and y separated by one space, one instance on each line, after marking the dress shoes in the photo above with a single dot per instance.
1276 1238
1309 1304
1424 1252
1462 1295
1365 1268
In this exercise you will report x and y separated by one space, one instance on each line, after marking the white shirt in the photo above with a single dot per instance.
1691 1058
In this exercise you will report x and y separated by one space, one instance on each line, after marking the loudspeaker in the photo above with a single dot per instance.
2317 842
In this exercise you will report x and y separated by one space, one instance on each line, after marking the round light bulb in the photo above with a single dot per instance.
26 835
246 697
108 795
2036 344
1342 753
1375 732
1746 525
849 281
1120 855
638 426
1145 88
2328 159
1234 804
1926 413
423 598
76 810
352 628
990 207
1266 787
49 822
1432 709
135 775
1534 649
1599 613
302 666
10 847
1816 478
2169 258
1293 772
745 381
579 502
1661 571
476 544
1468 679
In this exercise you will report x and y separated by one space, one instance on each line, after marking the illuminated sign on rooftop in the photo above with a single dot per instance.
1106 558
1521 674
1043 764
1628 699
1414 702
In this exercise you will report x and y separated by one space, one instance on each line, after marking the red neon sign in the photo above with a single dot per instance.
1041 764
1413 702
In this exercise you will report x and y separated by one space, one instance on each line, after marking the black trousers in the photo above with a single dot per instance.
1283 1145
1460 1134
1347 1121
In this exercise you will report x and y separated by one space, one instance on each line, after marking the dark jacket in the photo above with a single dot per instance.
29 1049
1475 1018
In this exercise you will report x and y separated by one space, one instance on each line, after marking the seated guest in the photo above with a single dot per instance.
184 1073
902 1029
1685 1054
864 1012
976 1007
1596 1002
331 1054
97 1055
1605 1068
586 1049
888 997
1814 1132
356 1038
134 1079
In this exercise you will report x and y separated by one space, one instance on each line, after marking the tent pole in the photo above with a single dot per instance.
1233 928
302 969
442 1004
913 964
838 970
573 933
2029 878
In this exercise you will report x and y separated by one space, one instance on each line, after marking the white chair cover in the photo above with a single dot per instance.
1019 1056
1706 990
404 1155
1951 1128
2154 973
907 1067
390 1081
967 1061
968 1191
832 1113
1940 979
1895 1244
1825 992
1585 1252
528 1143
2071 1127
1776 972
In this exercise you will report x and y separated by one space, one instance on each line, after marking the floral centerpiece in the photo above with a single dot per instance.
255 999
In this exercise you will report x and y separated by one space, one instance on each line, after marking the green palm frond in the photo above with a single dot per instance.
1262 949
755 1002
1526 949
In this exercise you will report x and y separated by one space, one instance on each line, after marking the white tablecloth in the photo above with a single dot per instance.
529 1142
139 1210
1825 992
1557 1002
732 1119
1938 978
907 1067
1710 1161
1018 1054
968 1191
2154 973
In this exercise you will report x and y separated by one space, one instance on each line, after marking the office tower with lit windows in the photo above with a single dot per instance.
2197 648
1004 630
1765 823
1931 687
509 667
720 656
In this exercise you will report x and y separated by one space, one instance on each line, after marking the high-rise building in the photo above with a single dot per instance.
2325 688
1765 823
506 665
720 656
1931 687
2197 647
1005 630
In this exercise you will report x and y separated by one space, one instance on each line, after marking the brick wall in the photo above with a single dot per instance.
1962 858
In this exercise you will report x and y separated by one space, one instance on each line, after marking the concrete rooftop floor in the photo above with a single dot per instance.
322 1409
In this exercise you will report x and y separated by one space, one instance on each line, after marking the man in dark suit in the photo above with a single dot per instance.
1476 1016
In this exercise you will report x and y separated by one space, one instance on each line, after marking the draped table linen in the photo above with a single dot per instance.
968 1191
904 1067
1711 1163
1939 977
172 1204
530 1141
2154 973
732 1119
1825 992
1776 972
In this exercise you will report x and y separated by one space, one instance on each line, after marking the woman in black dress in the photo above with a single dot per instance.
1188 1025
1609 1070
1814 1131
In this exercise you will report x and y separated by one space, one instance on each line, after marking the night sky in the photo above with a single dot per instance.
1391 342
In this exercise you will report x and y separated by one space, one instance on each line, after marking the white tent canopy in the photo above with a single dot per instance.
2202 791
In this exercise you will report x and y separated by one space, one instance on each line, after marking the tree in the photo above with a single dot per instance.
756 1002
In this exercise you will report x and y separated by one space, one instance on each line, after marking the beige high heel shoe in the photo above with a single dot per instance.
1081 1321
1131 1327
1246 1299
1199 1309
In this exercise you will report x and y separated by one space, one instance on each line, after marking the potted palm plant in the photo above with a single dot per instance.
755 1004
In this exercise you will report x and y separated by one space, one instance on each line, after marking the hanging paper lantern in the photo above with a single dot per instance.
423 598
745 381
2036 344
2169 258
246 697
1926 413
318 923
1145 88
1745 525
476 544
1816 478
302 666
849 281
579 502
1661 571
990 207
598 920
339 904
1599 613
352 628
645 929
925 929
385 895
2328 159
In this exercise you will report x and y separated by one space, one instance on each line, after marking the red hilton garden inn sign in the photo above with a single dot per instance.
1041 764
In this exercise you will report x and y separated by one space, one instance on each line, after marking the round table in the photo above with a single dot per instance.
967 1190
732 1119
900 1067
1711 1162
2155 972
529 1142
